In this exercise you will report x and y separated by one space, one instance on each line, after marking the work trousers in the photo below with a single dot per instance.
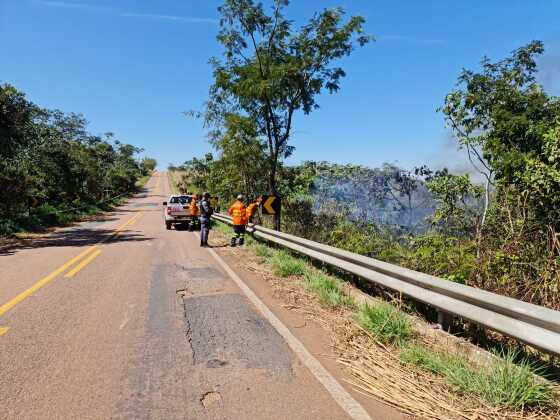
204 231
239 234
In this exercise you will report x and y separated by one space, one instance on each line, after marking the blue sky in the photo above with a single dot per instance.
132 67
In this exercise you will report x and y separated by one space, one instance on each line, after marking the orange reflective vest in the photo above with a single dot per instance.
238 213
251 210
193 208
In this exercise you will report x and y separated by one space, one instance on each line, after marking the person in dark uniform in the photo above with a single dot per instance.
206 212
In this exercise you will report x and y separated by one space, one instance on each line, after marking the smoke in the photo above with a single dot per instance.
549 71
455 159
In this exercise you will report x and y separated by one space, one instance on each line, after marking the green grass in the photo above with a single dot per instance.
223 228
328 289
501 382
172 182
262 250
386 323
227 230
142 181
284 265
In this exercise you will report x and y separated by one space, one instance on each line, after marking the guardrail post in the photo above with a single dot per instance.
444 320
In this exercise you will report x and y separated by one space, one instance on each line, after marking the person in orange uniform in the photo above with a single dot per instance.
253 208
239 215
193 208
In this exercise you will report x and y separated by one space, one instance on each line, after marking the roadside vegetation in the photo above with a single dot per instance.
499 233
504 384
174 185
52 171
283 264
502 381
180 182
328 289
494 228
386 323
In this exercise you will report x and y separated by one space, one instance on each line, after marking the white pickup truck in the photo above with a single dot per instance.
177 211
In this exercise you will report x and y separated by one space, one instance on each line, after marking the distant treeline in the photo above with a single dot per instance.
52 168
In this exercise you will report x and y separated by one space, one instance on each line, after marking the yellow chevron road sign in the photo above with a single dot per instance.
271 204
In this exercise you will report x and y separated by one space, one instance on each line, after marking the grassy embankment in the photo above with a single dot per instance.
172 179
504 381
142 181
178 184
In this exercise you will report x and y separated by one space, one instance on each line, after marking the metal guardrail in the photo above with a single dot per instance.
532 324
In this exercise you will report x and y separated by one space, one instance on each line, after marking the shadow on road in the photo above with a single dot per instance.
75 238
137 208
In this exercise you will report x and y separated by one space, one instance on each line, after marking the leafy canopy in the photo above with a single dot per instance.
503 113
271 70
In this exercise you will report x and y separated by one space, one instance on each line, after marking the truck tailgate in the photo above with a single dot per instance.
179 210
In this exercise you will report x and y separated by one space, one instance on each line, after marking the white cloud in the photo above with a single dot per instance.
185 19
69 5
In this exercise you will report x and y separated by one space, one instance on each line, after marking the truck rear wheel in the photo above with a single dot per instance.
168 225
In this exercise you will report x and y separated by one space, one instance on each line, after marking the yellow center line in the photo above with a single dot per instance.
50 277
121 227
45 280
81 265
130 223
135 220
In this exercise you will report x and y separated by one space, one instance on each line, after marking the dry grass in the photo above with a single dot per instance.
376 369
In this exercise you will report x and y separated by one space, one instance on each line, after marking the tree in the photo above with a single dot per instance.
147 165
48 159
272 70
501 116
400 185
456 196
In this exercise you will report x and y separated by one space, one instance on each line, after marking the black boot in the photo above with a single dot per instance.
232 243
241 241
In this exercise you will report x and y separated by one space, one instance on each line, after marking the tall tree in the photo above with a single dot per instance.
271 70
501 115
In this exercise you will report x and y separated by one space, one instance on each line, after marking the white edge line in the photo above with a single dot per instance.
338 393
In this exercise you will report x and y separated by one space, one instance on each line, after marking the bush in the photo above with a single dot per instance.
46 215
439 255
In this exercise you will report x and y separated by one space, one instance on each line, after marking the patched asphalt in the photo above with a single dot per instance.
203 280
226 328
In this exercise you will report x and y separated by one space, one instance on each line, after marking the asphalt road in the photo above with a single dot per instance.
120 318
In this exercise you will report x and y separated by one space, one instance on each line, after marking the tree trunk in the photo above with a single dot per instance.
273 191
486 201
483 220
